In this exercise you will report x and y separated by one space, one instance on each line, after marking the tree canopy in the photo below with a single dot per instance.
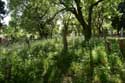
62 41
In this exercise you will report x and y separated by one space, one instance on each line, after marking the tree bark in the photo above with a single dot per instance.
122 47
79 16
65 43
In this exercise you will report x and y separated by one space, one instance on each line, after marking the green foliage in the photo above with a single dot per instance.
45 60
30 59
100 56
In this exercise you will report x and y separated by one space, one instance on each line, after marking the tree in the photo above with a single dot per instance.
38 13
2 11
75 8
2 8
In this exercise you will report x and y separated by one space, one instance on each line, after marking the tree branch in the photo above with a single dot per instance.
50 19
91 11
79 15
96 3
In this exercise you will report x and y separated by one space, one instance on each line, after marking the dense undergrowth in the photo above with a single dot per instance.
45 61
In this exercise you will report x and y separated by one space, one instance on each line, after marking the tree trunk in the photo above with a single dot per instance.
79 16
65 43
122 47
91 65
7 77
